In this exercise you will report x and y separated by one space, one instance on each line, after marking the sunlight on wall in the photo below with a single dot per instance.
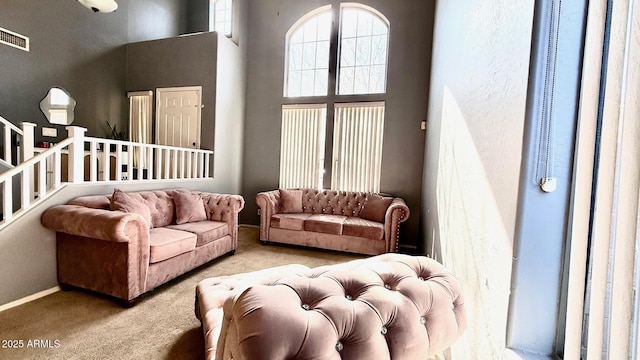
473 241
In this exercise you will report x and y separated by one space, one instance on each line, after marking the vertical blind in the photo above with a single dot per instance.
357 146
302 145
603 302
140 122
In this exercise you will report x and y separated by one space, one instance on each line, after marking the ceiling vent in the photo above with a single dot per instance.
14 39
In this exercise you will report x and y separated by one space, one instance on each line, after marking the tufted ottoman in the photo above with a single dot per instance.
391 306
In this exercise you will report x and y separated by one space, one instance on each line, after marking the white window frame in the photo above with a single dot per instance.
224 26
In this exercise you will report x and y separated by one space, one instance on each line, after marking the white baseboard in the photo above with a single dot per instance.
29 298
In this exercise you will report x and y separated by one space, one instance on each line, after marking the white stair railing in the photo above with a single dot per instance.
24 135
41 175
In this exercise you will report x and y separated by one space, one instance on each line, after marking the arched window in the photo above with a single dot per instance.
307 62
355 104
362 63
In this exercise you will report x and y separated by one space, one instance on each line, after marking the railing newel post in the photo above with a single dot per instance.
76 154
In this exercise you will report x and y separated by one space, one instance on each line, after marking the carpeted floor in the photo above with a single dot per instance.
84 325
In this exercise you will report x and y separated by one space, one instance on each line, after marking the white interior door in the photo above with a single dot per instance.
178 116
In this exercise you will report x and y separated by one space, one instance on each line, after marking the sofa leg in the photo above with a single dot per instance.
128 303
263 242
232 252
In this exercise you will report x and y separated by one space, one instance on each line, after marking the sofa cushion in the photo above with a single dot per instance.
206 231
328 224
189 207
375 207
289 221
121 201
290 201
363 228
166 243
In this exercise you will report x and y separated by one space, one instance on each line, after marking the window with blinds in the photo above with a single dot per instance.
355 129
357 146
302 146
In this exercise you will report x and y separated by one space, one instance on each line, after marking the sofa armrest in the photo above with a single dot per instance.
84 234
397 213
269 204
100 224
224 207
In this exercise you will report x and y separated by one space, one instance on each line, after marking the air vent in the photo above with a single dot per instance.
13 39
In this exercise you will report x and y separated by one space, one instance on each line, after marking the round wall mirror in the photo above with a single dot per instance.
58 106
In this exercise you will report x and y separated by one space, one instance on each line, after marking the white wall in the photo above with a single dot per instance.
477 104
229 118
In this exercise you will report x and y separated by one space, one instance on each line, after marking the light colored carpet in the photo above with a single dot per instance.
162 325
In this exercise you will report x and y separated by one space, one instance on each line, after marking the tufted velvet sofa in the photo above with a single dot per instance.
358 222
150 238
391 306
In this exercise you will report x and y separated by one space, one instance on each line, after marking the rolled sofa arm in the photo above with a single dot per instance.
224 207
100 224
85 234
269 204
397 213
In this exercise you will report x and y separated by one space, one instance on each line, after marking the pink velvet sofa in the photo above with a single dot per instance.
358 222
126 244
390 306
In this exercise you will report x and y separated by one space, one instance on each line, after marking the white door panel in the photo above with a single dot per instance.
178 116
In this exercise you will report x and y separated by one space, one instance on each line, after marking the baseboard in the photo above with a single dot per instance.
249 226
29 298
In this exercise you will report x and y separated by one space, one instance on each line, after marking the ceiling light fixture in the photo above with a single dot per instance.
100 6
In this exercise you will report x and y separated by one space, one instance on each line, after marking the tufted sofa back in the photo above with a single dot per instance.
332 202
218 207
391 306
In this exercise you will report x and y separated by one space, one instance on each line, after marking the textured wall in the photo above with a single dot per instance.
477 104
407 87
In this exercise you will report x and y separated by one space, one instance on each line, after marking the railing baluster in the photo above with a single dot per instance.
106 169
189 159
206 165
149 163
182 163
119 163
7 145
57 166
25 189
130 163
167 164
7 206
93 157
42 178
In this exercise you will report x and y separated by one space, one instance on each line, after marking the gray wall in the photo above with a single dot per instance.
473 157
174 62
407 91
83 52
